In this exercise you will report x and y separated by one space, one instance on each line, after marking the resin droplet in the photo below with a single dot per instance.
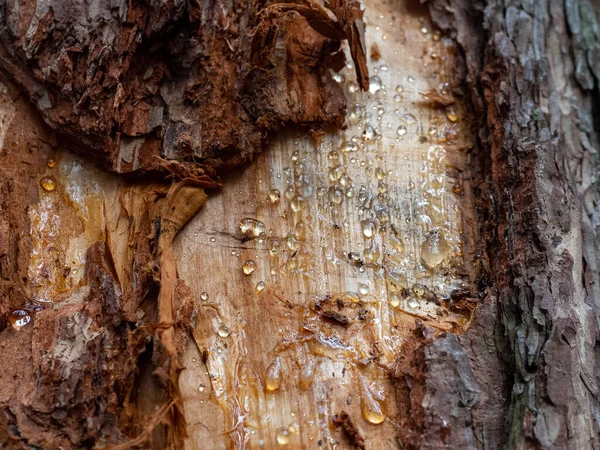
434 249
298 203
294 427
252 227
300 231
283 436
374 84
408 119
273 377
51 163
48 184
372 410
394 300
451 114
204 296
368 228
260 286
397 243
363 289
401 130
19 318
223 331
249 267
307 375
201 388
274 196
369 135
336 195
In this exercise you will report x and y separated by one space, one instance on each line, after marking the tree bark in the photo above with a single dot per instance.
163 336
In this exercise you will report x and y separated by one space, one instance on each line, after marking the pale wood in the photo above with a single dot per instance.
223 381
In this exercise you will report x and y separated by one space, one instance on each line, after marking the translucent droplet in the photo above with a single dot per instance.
298 203
334 157
249 267
399 89
394 300
418 290
204 296
401 130
338 77
424 30
371 254
352 87
51 163
348 147
223 331
397 242
335 173
202 387
363 289
274 195
336 195
273 245
397 98
252 227
294 427
411 79
372 410
273 376
380 173
48 184
457 189
369 134
413 303
307 375
368 228
354 257
19 318
436 35
260 286
451 114
283 436
293 243
408 119
434 249
289 193
352 296
374 84
300 231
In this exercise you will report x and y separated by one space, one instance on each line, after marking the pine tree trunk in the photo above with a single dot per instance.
140 308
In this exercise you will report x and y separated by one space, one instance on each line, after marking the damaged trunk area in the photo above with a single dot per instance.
299 225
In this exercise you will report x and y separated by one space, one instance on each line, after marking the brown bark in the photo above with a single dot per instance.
180 80
532 71
184 88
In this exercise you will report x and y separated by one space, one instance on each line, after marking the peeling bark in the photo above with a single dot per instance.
191 89
134 84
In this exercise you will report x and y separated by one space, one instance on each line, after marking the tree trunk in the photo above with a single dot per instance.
413 266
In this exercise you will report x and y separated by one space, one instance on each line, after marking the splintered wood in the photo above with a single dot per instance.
313 266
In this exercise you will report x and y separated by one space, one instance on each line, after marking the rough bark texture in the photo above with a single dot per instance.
134 83
142 85
532 71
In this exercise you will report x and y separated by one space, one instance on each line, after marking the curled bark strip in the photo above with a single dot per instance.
340 20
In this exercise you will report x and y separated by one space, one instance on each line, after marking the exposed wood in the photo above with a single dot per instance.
426 277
